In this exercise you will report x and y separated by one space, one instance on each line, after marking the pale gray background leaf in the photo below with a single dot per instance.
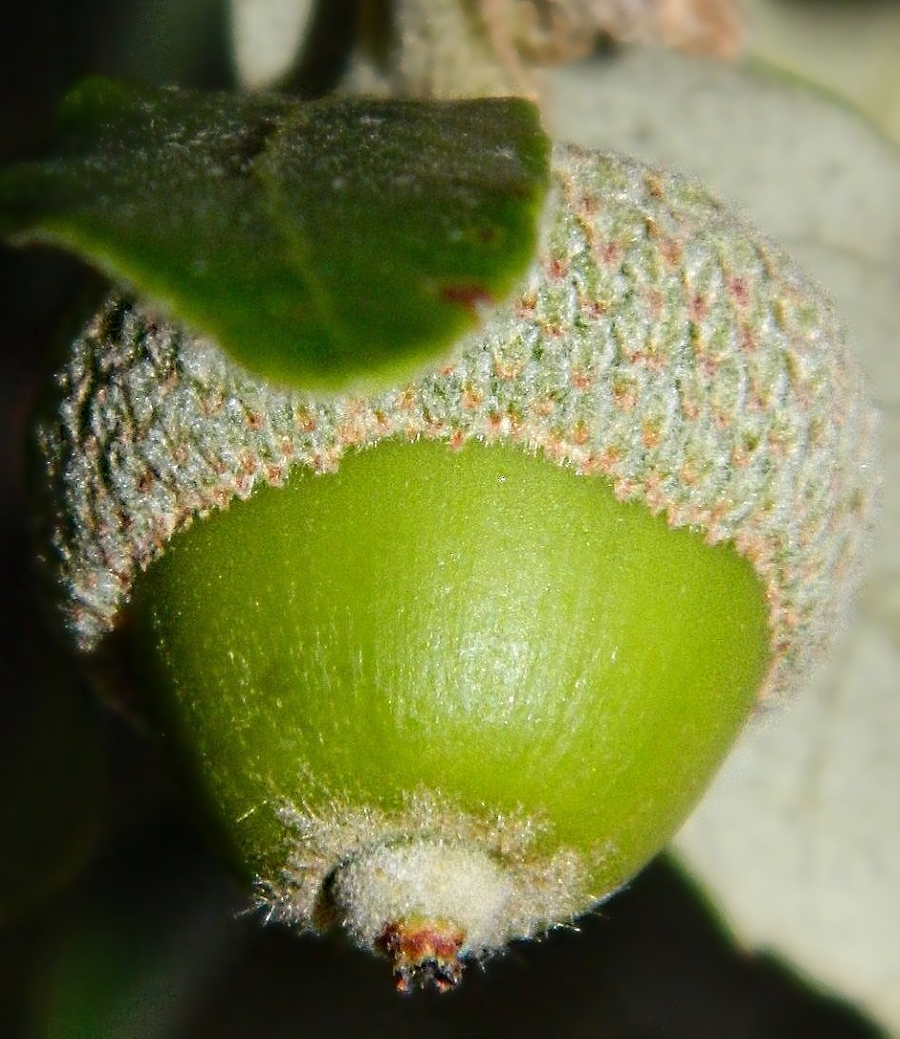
850 47
799 839
266 35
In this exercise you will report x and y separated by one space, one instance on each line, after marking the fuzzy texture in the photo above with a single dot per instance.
430 879
494 878
657 342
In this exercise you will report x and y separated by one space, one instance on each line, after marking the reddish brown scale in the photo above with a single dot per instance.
654 185
471 399
655 301
671 251
558 270
304 420
526 306
698 308
609 254
738 291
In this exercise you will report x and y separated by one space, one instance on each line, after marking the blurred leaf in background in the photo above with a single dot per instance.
850 47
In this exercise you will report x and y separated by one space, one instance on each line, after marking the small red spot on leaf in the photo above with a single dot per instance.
470 297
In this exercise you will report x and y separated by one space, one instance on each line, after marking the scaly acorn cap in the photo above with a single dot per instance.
658 342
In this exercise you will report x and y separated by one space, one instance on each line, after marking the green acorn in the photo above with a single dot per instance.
454 659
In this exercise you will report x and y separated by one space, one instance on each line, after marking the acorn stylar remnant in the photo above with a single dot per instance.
453 660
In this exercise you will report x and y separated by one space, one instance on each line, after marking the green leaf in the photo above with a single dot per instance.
319 243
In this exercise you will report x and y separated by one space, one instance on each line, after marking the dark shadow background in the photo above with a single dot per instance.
115 920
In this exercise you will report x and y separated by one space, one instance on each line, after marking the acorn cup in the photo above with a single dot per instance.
453 659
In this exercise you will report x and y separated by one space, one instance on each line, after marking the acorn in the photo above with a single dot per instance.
452 660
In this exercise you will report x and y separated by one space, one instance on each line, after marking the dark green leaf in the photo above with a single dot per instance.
319 243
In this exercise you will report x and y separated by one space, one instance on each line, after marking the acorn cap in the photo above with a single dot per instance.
658 342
